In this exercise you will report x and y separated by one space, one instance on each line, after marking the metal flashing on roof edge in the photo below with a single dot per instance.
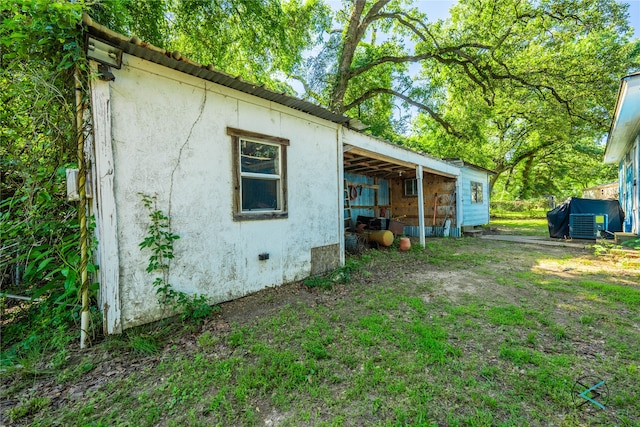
357 124
461 163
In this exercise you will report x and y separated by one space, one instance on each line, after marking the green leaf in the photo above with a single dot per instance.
43 264
44 289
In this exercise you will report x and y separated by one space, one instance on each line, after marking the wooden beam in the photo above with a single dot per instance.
106 216
357 184
381 157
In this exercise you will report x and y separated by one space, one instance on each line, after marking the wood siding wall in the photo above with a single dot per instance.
433 186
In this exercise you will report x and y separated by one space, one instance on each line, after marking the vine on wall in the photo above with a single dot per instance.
159 242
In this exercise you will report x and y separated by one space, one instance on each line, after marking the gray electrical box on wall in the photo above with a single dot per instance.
72 185
73 192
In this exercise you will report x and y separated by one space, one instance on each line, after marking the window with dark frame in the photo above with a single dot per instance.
411 187
259 165
476 192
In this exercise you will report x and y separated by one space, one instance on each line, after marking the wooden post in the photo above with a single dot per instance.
106 215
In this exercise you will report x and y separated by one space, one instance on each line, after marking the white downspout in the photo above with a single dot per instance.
459 204
340 148
420 204
635 191
82 213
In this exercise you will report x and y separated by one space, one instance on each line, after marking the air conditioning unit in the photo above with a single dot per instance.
587 226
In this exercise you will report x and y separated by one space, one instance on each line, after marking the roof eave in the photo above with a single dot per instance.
174 60
626 119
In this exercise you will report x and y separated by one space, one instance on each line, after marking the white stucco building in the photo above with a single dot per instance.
253 181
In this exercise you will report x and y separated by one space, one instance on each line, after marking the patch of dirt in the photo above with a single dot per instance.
451 284
266 301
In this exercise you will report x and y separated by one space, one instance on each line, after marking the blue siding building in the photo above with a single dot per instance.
474 194
623 148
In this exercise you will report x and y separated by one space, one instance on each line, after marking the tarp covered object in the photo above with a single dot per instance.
558 218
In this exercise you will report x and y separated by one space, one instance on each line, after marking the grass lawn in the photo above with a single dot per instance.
524 227
463 332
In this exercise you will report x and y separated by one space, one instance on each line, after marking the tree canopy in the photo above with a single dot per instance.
537 103
259 40
525 88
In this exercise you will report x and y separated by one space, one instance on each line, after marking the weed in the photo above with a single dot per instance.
603 247
143 340
586 320
144 344
633 244
448 255
531 338
558 332
340 275
159 241
207 340
626 294
318 282
317 350
73 374
238 337
509 315
520 356
525 227
28 407
386 354
490 372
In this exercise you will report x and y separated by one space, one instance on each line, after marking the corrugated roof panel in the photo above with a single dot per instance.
158 56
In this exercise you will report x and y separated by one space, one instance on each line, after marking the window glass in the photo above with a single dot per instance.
259 158
410 187
260 194
476 192
259 175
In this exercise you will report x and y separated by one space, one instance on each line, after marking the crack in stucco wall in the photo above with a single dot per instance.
184 144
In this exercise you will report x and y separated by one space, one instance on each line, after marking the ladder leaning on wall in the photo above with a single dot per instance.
348 218
448 202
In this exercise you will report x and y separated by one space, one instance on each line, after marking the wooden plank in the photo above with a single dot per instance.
407 206
357 184
106 218
377 156
353 160
244 134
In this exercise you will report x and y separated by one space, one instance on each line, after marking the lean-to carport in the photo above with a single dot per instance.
367 156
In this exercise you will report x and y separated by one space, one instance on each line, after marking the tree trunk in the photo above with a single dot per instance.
349 44
354 33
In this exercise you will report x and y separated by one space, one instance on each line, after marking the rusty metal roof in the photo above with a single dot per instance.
175 60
